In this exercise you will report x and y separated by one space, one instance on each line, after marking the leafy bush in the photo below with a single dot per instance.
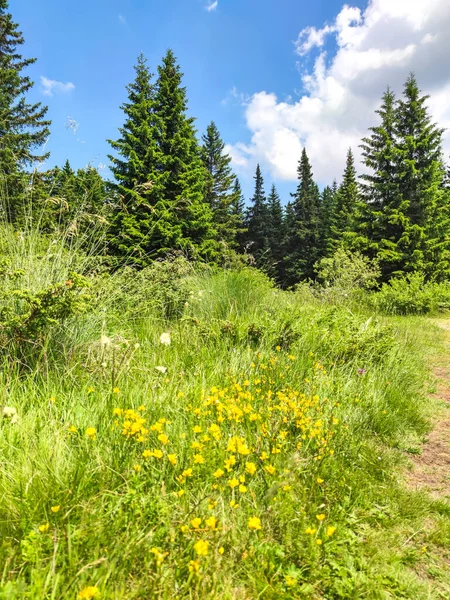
27 317
412 295
346 273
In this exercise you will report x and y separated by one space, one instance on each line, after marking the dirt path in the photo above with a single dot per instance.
431 469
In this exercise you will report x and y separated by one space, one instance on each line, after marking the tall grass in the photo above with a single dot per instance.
334 395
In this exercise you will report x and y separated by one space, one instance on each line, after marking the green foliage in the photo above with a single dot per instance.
406 221
256 238
222 191
413 295
23 127
303 227
347 273
27 317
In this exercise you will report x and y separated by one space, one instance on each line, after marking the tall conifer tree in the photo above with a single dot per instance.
184 174
303 227
23 126
257 241
135 231
346 206
219 189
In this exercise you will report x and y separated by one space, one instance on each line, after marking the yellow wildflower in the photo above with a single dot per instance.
194 566
270 469
250 468
211 522
201 547
172 458
330 530
44 528
158 453
233 483
137 468
218 473
254 523
187 473
221 550
196 522
198 459
116 390
89 592
91 432
55 509
162 437
320 517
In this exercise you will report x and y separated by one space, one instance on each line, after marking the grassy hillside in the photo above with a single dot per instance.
185 432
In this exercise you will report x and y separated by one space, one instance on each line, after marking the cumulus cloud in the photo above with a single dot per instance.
212 6
51 86
375 47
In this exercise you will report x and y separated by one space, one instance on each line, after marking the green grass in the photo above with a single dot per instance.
339 393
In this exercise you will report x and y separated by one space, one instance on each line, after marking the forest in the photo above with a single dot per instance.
204 395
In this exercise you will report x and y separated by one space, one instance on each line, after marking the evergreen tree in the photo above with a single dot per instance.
327 210
346 205
183 172
303 227
220 185
23 127
406 220
275 232
421 175
237 209
257 240
382 221
137 172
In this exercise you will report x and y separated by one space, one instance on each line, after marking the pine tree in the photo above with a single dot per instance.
303 227
219 191
137 170
346 206
275 232
23 127
382 222
184 175
327 210
237 209
257 240
421 175
406 220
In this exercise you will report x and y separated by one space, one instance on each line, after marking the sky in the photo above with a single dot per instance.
274 75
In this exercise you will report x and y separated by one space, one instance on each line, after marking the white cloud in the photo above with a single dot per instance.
376 47
51 86
212 6
122 20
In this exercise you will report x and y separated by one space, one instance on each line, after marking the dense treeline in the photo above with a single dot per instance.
172 193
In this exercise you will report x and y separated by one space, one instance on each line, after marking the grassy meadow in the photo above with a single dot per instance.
191 432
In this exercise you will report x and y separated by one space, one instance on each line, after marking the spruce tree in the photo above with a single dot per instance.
23 126
275 232
406 220
256 239
421 174
303 227
382 221
237 210
327 210
183 173
346 206
139 184
220 185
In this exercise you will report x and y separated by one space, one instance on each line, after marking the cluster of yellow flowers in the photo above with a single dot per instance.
133 423
236 443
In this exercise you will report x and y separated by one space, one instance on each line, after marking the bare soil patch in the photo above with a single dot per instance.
431 469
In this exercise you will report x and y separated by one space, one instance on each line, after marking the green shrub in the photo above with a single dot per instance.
412 295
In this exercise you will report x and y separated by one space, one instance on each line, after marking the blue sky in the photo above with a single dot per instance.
242 69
